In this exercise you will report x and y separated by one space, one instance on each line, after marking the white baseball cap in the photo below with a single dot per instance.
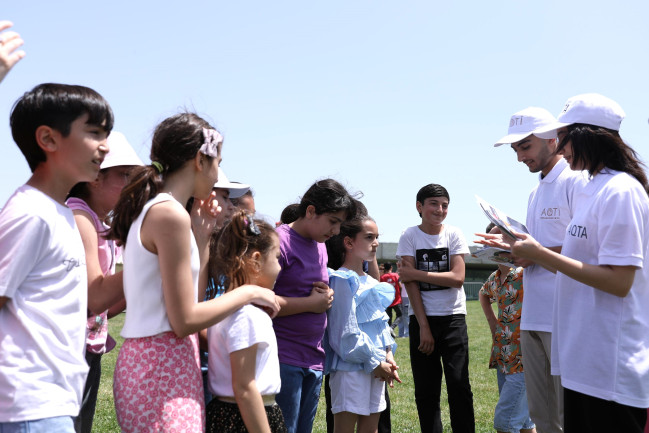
236 189
591 109
121 152
527 122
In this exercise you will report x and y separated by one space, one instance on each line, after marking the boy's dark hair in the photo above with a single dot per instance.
387 266
328 196
290 213
432 190
56 106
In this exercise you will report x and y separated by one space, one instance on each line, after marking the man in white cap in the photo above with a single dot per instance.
549 211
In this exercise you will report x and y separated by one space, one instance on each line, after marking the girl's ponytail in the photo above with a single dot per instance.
146 182
176 140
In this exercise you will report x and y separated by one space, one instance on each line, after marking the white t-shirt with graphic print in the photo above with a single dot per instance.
432 253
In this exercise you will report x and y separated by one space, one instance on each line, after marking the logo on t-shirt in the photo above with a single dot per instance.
432 260
553 213
71 263
577 231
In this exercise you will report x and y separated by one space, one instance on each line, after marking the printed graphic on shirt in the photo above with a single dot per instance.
550 213
578 231
432 260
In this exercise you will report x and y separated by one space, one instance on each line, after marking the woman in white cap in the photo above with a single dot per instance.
601 321
92 203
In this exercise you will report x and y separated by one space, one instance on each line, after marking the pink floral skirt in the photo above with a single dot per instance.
158 385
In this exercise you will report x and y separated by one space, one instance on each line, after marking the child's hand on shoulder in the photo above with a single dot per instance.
321 296
263 298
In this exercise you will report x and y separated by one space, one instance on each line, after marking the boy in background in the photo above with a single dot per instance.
61 130
505 286
432 269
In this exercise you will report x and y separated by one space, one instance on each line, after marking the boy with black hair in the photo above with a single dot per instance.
432 269
62 131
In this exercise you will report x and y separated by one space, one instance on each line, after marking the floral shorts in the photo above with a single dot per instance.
158 385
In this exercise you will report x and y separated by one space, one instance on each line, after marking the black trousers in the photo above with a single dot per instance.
385 425
587 414
450 357
397 311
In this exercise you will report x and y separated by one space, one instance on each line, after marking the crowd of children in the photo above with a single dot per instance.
280 307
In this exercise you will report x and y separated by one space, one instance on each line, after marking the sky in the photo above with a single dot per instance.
385 97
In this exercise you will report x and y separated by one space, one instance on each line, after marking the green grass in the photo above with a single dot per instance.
404 412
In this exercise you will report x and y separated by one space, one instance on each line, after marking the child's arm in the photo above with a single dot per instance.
318 301
166 232
104 291
452 278
426 340
485 303
245 389
203 215
389 358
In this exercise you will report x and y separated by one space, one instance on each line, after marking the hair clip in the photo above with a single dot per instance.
211 141
158 166
252 227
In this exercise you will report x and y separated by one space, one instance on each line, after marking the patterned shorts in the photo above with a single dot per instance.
158 385
225 417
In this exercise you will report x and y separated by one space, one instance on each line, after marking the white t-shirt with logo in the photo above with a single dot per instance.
43 324
549 210
432 253
600 342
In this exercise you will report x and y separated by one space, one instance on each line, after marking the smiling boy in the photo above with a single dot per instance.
61 130
432 269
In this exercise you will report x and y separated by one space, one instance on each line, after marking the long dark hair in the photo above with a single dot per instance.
231 248
176 140
595 147
336 251
327 196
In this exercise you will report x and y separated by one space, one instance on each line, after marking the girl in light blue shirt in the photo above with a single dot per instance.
358 344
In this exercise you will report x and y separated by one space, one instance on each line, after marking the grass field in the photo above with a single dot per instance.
404 412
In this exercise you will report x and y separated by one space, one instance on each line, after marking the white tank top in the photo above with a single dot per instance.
146 314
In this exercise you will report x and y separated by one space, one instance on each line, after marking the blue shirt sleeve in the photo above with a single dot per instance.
345 337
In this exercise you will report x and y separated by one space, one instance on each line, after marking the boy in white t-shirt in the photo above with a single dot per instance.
61 130
432 269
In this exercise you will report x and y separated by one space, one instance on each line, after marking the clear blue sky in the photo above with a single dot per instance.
383 96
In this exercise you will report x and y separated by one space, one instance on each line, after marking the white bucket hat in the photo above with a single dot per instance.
591 109
527 122
236 189
121 152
